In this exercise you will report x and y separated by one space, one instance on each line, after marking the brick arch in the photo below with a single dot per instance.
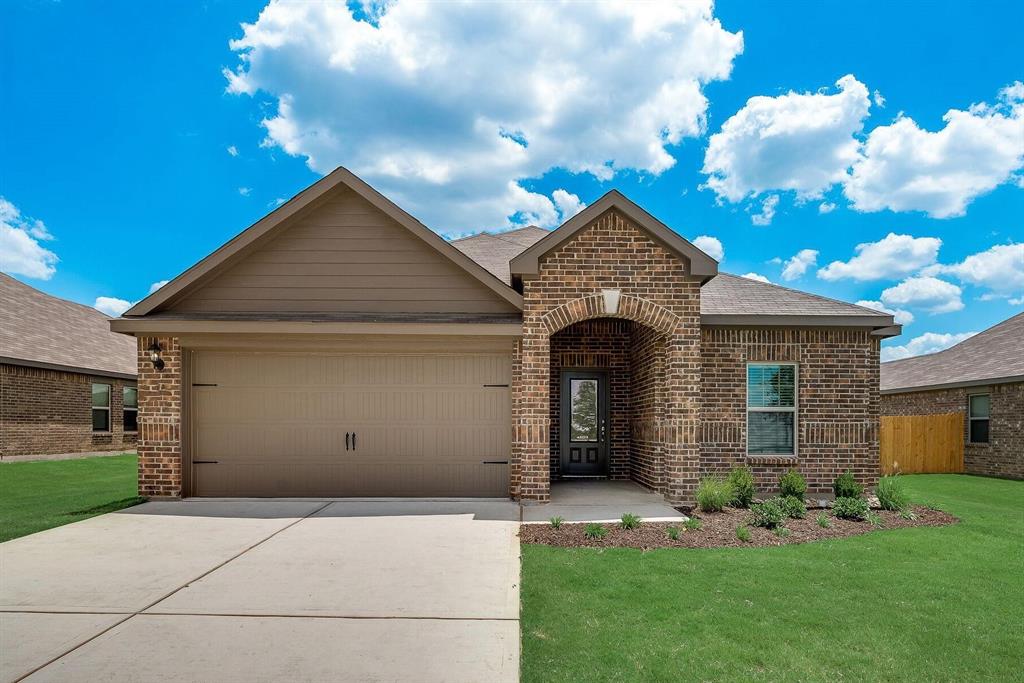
630 307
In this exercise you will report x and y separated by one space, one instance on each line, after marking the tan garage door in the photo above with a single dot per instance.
275 424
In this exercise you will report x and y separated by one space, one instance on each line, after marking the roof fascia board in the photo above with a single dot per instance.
66 368
143 326
242 242
1010 379
878 323
527 263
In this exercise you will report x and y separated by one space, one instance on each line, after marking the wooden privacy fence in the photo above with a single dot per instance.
922 443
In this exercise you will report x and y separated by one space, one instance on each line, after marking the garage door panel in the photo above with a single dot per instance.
275 424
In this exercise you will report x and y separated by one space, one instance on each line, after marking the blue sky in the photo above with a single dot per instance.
137 138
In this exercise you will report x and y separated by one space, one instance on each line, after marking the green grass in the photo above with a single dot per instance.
44 494
923 604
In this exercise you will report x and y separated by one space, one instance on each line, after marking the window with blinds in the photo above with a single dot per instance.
771 408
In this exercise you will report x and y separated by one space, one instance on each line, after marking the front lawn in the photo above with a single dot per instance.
942 603
44 494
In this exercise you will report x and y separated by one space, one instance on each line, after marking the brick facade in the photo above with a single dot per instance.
837 402
44 412
655 291
1003 455
160 404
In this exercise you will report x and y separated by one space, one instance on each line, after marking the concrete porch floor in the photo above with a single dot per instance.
600 500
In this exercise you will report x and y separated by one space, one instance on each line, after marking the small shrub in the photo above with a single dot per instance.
845 486
781 531
556 522
792 483
768 514
891 495
850 508
907 513
629 521
823 521
692 524
875 519
595 530
741 479
713 494
743 533
673 532
794 507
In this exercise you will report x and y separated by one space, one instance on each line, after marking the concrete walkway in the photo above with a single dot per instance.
267 590
598 500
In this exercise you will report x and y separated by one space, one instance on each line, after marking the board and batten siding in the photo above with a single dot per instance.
345 256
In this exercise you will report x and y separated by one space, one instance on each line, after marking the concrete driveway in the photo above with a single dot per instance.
267 591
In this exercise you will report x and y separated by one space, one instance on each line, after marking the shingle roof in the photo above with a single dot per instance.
993 356
724 294
41 329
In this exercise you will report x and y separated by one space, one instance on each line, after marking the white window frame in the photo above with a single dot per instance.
971 418
125 409
795 409
110 391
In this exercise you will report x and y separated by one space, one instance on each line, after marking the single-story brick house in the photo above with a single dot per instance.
982 378
67 383
338 347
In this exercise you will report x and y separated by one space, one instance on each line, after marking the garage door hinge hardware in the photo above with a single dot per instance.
505 386
198 384
495 462
205 462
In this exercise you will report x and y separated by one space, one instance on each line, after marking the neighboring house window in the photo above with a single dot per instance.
977 418
771 409
101 407
131 409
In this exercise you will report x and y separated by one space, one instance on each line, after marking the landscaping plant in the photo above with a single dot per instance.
794 507
713 494
692 524
768 514
875 519
741 479
823 521
673 532
891 495
846 486
792 483
629 521
781 531
595 530
847 507
743 533
556 522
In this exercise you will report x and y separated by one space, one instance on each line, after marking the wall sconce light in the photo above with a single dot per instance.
154 355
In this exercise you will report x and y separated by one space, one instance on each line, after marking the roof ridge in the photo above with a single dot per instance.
805 293
498 235
36 290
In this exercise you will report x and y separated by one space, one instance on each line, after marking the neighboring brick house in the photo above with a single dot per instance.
67 383
982 378
338 347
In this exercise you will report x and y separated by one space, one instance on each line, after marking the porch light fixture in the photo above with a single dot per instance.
154 355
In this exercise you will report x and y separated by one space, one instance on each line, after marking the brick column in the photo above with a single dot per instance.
516 455
160 420
532 419
682 413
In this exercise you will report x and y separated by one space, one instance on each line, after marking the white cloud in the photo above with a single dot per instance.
245 191
899 316
441 106
877 98
568 204
712 246
903 167
232 150
892 256
797 141
929 342
756 276
767 211
20 251
826 207
999 268
157 285
799 263
930 293
112 306
1016 302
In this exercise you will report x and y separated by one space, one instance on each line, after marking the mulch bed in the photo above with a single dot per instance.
718 530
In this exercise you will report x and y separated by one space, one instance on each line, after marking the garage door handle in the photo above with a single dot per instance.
346 441
353 440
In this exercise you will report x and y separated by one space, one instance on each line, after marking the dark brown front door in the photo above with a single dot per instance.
584 423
